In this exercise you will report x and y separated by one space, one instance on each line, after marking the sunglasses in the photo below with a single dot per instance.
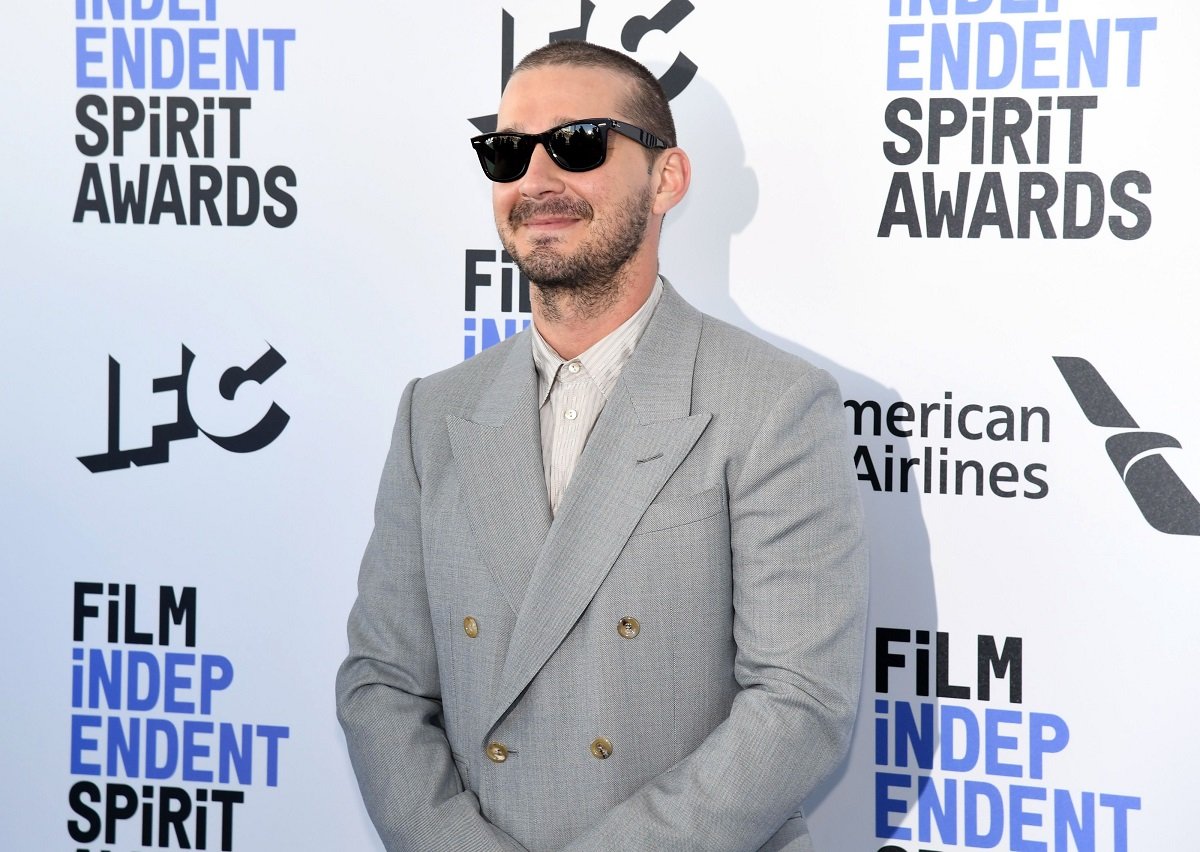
577 146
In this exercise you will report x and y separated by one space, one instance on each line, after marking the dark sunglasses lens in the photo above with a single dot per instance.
578 147
504 157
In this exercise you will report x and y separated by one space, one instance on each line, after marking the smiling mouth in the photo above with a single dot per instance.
545 223
555 214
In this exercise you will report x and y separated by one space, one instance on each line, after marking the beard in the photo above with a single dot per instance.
592 276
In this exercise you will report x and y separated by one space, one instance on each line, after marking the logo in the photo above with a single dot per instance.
925 443
503 311
975 768
152 155
1165 502
184 426
1013 54
154 764
481 331
674 81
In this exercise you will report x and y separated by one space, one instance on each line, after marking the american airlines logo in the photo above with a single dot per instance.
1164 500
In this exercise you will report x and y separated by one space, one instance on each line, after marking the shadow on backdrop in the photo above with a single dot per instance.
721 203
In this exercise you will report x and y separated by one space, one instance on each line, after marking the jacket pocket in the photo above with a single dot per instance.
675 512
792 836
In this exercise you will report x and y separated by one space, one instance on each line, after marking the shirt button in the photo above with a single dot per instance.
571 414
471 626
628 627
573 367
496 752
601 748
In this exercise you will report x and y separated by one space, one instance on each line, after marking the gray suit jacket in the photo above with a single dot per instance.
714 503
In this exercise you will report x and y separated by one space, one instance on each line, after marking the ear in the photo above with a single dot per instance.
674 173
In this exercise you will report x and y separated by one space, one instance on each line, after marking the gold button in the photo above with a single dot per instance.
601 748
497 752
471 626
628 627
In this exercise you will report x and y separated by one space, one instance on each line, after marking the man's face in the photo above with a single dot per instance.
571 230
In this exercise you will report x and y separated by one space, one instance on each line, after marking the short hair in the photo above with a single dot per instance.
647 106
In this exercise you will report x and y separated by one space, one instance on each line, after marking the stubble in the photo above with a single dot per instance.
591 279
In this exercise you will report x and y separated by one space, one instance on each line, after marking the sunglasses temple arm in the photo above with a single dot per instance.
644 137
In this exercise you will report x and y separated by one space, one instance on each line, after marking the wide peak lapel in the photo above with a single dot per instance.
633 450
498 454
659 373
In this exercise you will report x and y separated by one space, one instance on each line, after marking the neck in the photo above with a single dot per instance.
572 323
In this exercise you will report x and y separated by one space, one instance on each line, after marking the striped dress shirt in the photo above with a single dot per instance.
572 393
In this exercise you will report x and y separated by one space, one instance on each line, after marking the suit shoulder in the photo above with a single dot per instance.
737 356
456 389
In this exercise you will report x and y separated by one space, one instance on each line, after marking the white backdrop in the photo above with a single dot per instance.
784 117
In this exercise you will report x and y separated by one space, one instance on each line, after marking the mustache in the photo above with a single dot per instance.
528 209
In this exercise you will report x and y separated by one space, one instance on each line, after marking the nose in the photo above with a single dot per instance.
543 177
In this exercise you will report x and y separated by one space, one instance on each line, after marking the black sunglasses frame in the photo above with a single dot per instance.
528 142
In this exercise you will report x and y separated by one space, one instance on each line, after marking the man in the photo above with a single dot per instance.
615 594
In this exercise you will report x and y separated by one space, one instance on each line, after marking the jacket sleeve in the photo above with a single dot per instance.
388 691
800 571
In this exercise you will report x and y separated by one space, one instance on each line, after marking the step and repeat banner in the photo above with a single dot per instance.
233 229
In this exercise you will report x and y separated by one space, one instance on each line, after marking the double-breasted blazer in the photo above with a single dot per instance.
671 662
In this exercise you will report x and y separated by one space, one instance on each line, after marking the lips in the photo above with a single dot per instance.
550 215
549 223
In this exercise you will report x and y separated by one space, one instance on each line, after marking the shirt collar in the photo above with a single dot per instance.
604 359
